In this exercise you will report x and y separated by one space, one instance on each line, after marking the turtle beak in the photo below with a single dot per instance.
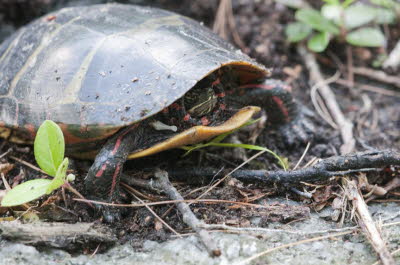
200 133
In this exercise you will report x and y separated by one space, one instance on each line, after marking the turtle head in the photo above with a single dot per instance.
200 101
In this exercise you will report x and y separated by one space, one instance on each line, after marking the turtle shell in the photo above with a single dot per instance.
96 69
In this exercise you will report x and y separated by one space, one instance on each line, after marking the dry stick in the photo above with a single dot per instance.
130 190
224 19
393 60
27 164
346 127
188 217
302 156
377 75
324 169
350 72
369 88
391 185
367 223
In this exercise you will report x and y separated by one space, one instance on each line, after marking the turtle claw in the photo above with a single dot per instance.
298 131
110 214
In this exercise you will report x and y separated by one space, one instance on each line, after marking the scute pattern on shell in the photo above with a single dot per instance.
103 65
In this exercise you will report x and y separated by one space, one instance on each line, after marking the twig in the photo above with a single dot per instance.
150 210
345 126
27 164
369 88
393 60
366 222
350 68
302 156
324 169
393 184
233 171
225 18
377 75
393 253
188 216
6 153
59 235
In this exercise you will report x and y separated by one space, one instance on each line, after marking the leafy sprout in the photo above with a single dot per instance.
355 23
49 147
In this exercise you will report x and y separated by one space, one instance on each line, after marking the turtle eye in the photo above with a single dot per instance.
200 101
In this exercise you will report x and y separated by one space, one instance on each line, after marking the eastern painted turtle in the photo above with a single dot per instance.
125 81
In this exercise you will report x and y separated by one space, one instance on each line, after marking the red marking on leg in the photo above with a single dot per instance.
114 179
205 121
221 95
216 82
175 106
119 139
187 117
101 171
282 107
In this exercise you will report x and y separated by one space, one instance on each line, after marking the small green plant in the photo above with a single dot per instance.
356 23
49 150
217 142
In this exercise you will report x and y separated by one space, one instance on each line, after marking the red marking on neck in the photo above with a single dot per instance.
101 171
187 117
282 107
205 121
114 179
216 82
175 106
221 95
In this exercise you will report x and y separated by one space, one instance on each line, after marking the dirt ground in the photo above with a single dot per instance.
259 32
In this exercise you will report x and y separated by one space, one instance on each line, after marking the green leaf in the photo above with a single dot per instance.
346 3
333 12
358 15
315 20
385 16
25 192
386 3
49 147
366 37
318 42
332 2
60 177
297 31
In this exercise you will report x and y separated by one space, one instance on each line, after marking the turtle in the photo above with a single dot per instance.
126 81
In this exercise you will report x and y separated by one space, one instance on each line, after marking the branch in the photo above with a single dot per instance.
189 218
323 170
345 126
367 224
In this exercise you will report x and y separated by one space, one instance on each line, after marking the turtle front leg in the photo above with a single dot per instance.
102 180
275 98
